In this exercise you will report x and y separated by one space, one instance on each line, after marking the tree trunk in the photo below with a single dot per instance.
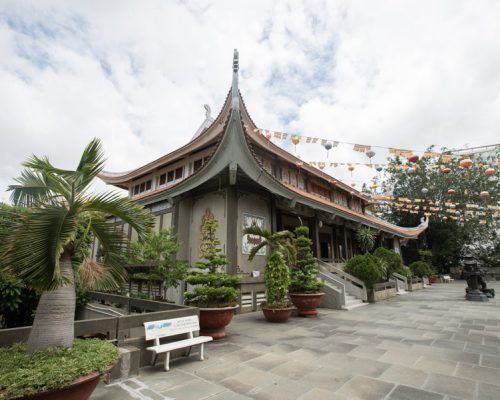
55 314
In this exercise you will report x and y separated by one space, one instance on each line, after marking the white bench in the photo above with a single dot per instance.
447 279
156 330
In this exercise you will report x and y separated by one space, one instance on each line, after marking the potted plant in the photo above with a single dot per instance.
217 295
277 307
48 243
304 286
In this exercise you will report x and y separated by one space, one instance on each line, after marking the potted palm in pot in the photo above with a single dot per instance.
277 307
305 287
47 248
216 294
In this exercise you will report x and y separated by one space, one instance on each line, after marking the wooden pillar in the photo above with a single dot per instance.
314 235
346 251
274 216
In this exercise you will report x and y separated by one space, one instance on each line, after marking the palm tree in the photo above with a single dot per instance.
277 242
46 246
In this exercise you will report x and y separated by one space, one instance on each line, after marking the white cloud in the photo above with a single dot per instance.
136 74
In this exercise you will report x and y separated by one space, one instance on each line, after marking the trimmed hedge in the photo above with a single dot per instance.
390 260
421 269
365 267
23 374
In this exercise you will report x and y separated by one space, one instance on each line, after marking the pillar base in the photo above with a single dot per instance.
476 295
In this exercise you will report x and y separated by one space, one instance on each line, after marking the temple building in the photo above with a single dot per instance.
232 171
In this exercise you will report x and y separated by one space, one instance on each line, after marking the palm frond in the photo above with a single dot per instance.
32 188
140 219
256 249
33 247
257 231
90 165
94 275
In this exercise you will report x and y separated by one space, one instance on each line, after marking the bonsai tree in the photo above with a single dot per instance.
304 274
160 249
390 261
43 247
366 238
365 267
218 289
276 274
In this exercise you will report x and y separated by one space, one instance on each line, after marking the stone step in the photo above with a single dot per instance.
356 305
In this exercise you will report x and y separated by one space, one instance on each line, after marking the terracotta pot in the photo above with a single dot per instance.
277 314
307 303
80 389
213 321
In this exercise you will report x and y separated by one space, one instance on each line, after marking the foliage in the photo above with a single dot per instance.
22 374
82 297
455 225
426 256
405 271
159 248
218 289
304 274
365 267
366 238
276 274
421 269
390 261
491 258
61 219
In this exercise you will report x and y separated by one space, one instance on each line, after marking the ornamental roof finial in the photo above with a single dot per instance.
235 97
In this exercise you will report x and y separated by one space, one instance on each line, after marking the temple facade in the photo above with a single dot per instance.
230 170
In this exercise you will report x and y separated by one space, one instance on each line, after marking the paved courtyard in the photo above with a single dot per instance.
426 345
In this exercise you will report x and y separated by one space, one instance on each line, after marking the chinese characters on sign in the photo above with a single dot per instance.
250 241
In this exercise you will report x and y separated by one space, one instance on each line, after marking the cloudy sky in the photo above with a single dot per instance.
137 73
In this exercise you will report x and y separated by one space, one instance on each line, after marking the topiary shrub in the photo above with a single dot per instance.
421 269
23 374
365 267
218 289
390 261
304 274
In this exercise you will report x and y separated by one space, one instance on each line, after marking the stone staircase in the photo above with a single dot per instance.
352 302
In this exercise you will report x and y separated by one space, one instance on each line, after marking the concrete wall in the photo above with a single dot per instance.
258 206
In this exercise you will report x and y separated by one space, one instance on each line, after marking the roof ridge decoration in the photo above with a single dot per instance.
234 88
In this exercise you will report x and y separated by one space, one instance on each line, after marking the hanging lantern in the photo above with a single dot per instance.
295 141
484 194
322 166
353 185
374 186
466 162
490 171
446 170
379 168
350 168
425 190
370 154
328 147
451 191
299 164
413 158
269 135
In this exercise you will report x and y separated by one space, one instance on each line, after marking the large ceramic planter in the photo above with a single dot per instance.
213 321
277 314
433 279
80 389
307 303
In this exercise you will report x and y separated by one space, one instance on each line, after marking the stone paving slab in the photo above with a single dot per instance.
430 344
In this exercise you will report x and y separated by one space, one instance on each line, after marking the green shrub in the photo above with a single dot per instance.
304 274
365 267
390 261
22 374
277 279
218 289
366 237
421 269
406 272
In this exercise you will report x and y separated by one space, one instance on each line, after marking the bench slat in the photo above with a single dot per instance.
162 348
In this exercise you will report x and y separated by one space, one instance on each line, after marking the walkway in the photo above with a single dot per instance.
429 344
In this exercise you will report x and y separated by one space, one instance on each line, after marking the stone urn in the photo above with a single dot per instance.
277 314
213 321
80 389
307 303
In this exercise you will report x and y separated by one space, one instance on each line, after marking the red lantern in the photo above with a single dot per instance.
353 184
268 135
466 163
413 158
446 170
322 166
451 191
490 171
484 193
299 164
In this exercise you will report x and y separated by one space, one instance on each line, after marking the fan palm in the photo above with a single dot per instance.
277 242
46 246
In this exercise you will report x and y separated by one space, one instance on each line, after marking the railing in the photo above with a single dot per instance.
337 285
377 287
401 281
353 285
